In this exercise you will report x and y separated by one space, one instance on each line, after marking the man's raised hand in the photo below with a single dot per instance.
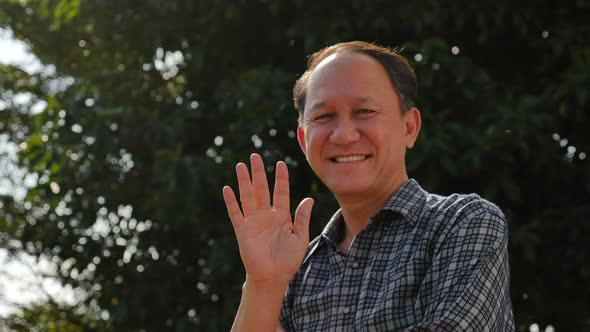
272 247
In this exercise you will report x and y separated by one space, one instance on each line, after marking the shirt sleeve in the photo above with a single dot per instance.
467 286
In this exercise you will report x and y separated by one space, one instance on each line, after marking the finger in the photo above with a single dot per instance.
302 217
259 182
233 210
246 194
280 198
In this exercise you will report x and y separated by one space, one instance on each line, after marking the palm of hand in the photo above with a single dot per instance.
271 246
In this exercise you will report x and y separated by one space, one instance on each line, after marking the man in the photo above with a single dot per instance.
394 257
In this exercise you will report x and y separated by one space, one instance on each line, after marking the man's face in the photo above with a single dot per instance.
352 132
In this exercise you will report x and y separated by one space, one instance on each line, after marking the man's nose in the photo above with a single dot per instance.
345 132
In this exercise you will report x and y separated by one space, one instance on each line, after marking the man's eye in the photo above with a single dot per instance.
365 112
323 117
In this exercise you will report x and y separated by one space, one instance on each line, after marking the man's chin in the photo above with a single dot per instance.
346 187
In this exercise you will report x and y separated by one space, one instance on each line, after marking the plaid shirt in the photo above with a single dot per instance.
424 263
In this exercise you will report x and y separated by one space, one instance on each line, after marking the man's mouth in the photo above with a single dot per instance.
351 158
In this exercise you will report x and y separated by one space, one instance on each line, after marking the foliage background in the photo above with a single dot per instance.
152 103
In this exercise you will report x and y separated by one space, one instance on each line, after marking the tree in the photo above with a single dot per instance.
150 106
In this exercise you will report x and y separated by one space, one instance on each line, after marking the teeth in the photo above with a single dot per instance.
350 158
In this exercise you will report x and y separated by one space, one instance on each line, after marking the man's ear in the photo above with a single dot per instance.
413 122
301 139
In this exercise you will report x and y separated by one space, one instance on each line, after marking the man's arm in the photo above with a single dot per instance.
272 247
471 291
259 307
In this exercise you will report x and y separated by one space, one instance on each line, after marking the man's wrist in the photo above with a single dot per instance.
265 285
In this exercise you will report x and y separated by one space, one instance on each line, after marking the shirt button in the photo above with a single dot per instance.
355 265
346 310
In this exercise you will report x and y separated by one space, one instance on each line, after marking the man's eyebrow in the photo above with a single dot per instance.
316 105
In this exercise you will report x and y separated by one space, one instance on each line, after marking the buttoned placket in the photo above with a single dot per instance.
351 272
354 269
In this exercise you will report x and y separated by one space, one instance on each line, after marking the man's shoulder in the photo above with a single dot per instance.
465 218
461 204
420 206
457 211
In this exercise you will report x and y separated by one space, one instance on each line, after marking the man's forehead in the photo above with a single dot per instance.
347 65
356 78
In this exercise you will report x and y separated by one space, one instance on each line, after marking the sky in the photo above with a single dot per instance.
16 52
19 281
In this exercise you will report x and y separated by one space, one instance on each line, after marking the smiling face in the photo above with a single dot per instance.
352 131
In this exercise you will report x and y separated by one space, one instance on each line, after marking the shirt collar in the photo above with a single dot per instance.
333 230
408 200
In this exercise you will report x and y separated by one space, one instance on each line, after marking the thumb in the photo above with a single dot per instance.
302 217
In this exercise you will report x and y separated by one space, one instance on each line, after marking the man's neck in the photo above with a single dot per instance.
358 209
